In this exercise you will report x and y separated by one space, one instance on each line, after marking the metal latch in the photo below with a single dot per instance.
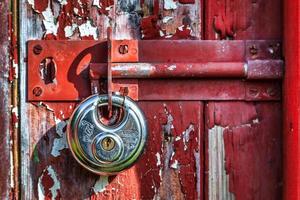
77 68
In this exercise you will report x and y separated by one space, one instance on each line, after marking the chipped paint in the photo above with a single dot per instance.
63 2
170 185
158 163
186 135
97 3
15 117
59 143
255 121
48 184
170 5
45 105
177 138
172 67
161 33
15 70
12 166
166 19
218 178
31 2
49 22
160 174
198 172
143 68
101 184
175 165
76 11
69 30
87 29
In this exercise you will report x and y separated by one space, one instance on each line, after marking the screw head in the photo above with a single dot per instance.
37 49
123 49
37 91
272 92
253 50
253 92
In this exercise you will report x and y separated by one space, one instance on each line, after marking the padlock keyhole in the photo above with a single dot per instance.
108 143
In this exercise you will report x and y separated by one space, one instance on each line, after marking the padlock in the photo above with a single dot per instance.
102 148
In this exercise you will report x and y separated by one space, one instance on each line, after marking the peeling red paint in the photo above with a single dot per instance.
62 111
252 141
174 168
104 6
39 5
48 186
149 28
243 20
183 32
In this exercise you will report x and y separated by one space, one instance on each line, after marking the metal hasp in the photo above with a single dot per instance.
82 66
107 149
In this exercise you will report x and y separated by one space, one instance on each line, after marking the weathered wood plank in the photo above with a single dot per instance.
5 95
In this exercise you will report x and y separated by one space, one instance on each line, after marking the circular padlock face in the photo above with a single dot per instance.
107 148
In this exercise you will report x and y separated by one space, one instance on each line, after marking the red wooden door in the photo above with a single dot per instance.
211 136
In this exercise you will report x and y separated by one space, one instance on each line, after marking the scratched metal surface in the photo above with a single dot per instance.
5 125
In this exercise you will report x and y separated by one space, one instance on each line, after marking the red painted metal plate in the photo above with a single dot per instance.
71 60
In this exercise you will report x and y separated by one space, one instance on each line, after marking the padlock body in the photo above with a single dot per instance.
107 149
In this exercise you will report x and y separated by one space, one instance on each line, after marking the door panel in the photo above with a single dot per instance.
243 150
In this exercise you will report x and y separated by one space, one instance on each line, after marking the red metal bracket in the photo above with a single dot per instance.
81 66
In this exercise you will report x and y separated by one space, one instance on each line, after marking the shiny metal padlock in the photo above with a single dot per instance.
106 149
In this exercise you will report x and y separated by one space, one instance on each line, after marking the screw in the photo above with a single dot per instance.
37 49
37 91
253 91
123 49
271 92
253 50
